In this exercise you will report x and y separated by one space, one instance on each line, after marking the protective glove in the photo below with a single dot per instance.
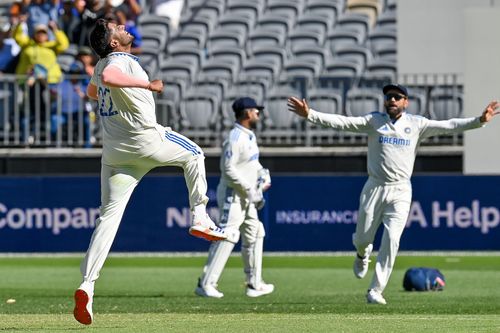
263 179
259 205
254 195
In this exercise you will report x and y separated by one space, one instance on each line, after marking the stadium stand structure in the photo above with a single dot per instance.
339 53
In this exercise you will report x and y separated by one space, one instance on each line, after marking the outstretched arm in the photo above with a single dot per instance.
458 125
490 111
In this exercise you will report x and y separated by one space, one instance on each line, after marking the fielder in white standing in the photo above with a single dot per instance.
393 138
133 144
239 195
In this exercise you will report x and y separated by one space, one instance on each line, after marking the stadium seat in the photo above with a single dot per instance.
326 101
264 37
342 37
299 37
382 68
249 84
370 8
387 20
150 24
154 42
445 102
202 22
209 84
274 22
219 68
223 38
200 118
345 68
329 9
381 39
257 68
417 98
313 22
301 68
187 39
360 102
340 81
356 22
314 54
151 61
275 55
354 53
233 22
193 7
391 5
234 55
190 55
174 68
280 125
388 53
286 8
251 9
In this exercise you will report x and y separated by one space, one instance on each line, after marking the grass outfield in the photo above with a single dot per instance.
313 294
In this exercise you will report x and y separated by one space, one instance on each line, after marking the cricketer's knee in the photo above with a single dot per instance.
250 238
233 235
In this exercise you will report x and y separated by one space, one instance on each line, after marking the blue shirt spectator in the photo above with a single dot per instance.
42 12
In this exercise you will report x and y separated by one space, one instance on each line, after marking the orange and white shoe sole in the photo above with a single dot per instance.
204 233
80 312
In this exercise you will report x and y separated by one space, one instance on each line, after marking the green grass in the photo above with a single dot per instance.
313 294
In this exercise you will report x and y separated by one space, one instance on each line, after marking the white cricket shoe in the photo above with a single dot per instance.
263 289
83 306
360 266
374 297
208 291
204 227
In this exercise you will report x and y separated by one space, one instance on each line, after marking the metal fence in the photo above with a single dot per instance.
34 114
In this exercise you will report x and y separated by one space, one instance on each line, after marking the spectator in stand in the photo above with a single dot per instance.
131 7
70 19
74 121
9 50
87 58
94 10
38 60
41 12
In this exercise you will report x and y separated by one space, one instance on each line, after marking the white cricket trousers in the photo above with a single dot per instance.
388 204
238 217
119 181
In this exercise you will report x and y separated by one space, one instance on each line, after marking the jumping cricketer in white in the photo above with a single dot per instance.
133 144
239 195
393 138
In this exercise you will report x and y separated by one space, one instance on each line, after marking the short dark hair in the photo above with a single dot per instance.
99 38
240 114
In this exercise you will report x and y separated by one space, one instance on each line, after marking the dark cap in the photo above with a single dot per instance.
246 103
397 87
77 68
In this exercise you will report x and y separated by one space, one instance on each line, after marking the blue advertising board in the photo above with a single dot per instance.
303 213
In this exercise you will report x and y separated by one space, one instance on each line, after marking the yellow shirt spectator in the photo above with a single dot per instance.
41 51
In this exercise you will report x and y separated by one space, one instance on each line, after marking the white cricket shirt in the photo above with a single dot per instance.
239 163
392 147
127 115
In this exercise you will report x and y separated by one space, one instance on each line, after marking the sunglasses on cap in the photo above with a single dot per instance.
397 97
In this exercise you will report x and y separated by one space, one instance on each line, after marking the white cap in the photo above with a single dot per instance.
115 3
